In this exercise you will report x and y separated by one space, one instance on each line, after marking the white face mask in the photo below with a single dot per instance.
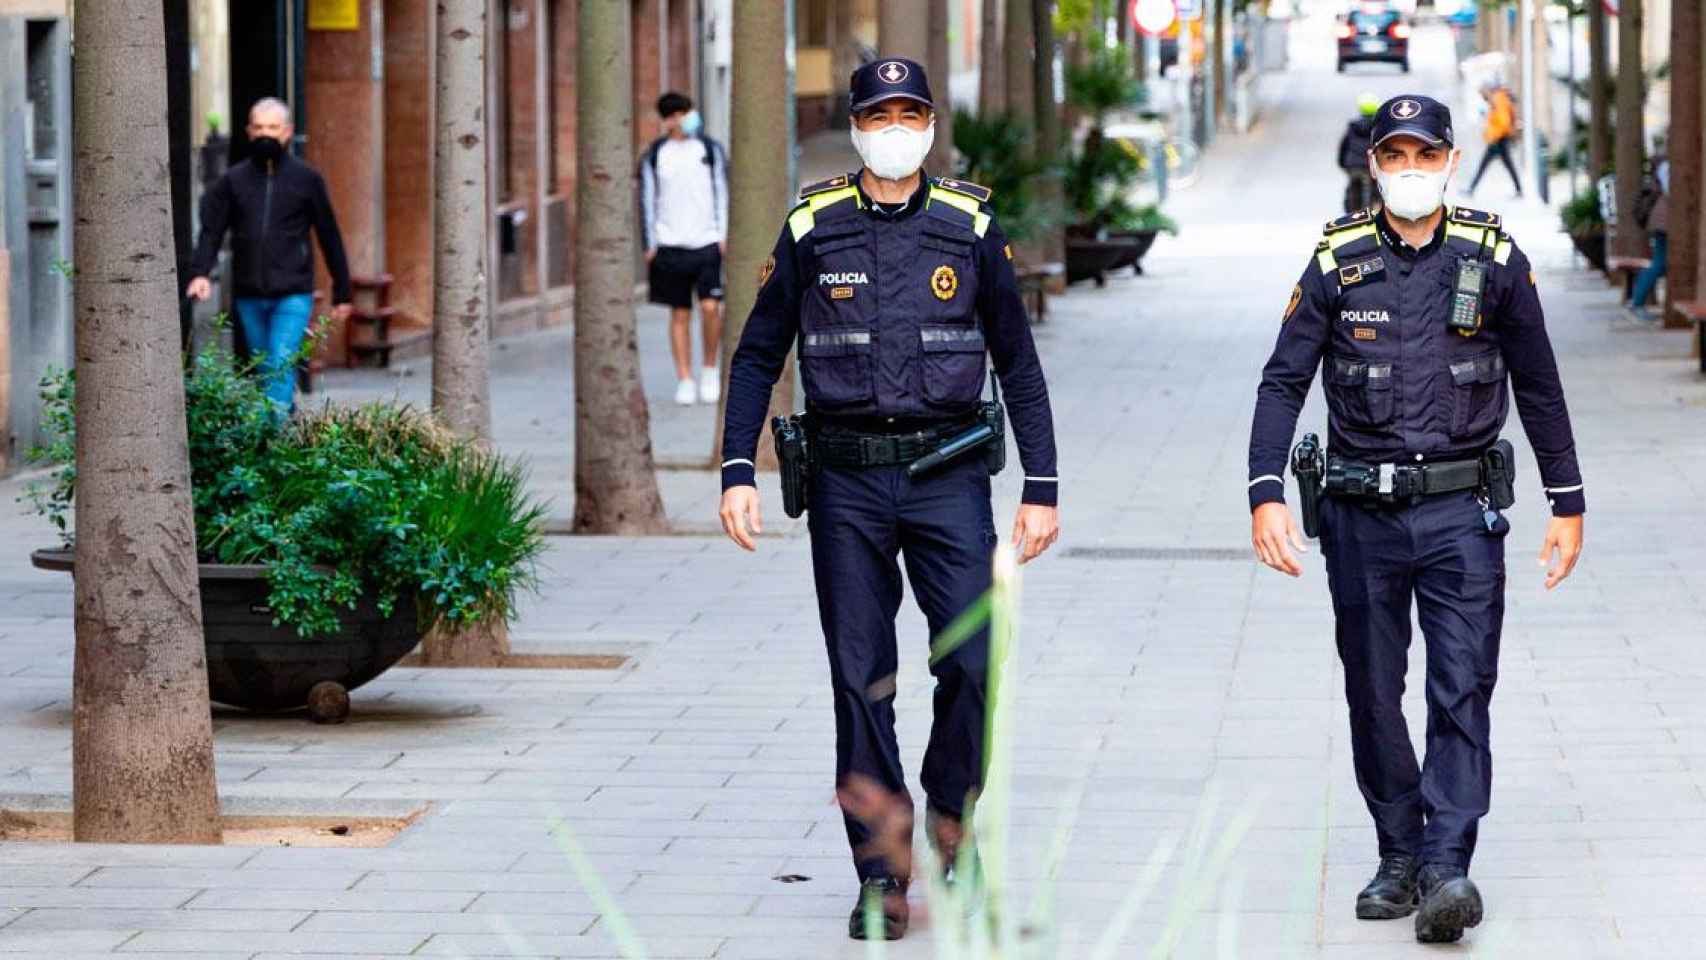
894 152
1412 194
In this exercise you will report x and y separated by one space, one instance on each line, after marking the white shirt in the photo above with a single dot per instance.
686 212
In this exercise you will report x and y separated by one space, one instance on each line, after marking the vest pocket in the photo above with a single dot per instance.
1478 394
836 368
1360 393
953 364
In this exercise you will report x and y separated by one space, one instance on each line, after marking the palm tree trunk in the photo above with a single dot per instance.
616 487
141 730
1630 239
991 87
461 394
1047 113
941 159
758 196
1599 97
903 30
1686 160
1017 70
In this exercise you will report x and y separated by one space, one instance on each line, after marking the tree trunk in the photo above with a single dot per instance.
903 30
616 486
1685 151
1021 97
991 87
141 729
1630 239
461 395
1217 57
1599 92
461 392
941 160
758 197
1052 243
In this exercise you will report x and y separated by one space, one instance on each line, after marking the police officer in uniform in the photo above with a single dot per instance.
1424 320
898 289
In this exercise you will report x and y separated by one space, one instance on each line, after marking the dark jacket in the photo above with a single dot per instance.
269 214
1353 146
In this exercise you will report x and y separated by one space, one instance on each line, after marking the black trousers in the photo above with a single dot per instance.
1441 553
1502 150
861 520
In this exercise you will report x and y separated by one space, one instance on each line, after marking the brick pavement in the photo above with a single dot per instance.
1163 689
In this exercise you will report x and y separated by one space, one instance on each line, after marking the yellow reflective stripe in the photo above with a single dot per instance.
979 223
1339 238
1502 252
1475 235
1327 262
804 217
953 199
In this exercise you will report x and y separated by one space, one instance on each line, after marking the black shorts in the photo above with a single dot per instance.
676 273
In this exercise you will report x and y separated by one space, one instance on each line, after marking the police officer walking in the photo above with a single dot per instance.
1424 320
898 289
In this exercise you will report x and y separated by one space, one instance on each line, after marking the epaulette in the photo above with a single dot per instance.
975 191
1348 221
823 186
1471 217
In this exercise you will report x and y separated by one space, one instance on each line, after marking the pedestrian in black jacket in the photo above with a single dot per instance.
269 202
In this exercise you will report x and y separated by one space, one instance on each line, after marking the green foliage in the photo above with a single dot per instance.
1106 82
339 504
1581 215
1099 177
1126 217
994 151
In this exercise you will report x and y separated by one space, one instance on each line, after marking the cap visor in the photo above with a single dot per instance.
870 101
1417 132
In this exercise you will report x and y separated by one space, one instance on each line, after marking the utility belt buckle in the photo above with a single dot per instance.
1388 472
875 449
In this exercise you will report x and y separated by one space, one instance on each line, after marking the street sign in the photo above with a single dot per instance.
1190 9
1153 17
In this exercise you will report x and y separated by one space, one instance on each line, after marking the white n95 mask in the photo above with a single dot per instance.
1411 194
894 152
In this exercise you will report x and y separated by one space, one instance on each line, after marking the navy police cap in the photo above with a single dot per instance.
886 78
1412 115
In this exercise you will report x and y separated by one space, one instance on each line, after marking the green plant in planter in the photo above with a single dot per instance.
1126 217
994 151
375 501
1581 215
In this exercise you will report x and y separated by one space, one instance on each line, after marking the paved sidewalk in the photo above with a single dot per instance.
1166 685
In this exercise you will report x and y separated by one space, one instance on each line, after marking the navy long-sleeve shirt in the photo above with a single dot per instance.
773 327
1318 319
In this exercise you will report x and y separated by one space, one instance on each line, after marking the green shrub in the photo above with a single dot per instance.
1581 215
375 501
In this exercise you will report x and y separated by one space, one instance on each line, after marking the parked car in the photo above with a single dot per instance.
1374 33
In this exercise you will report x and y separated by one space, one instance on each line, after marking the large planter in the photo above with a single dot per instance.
1142 239
257 666
1092 259
1592 248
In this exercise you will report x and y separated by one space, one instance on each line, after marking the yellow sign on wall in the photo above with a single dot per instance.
334 14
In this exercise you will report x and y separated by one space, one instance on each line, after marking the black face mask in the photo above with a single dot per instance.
266 149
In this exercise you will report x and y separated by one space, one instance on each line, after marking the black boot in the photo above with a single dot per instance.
1450 903
1392 892
891 894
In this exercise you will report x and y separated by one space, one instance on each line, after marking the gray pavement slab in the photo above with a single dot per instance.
1162 692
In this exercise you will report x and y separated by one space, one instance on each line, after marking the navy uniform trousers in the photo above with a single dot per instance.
1439 551
941 524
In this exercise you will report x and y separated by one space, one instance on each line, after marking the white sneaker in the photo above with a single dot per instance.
685 394
710 384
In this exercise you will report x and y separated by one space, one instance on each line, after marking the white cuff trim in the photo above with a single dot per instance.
1266 477
1573 489
1043 479
730 463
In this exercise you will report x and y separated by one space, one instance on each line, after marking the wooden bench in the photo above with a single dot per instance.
1626 269
1695 310
1034 282
368 338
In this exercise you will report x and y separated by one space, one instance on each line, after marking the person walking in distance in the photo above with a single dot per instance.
1499 133
269 202
684 204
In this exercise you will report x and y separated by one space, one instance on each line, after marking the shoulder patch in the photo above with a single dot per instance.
977 192
823 186
1348 221
1469 216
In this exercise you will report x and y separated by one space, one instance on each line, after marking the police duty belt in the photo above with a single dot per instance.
1400 482
840 447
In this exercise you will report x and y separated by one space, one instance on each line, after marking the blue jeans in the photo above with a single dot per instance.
1649 278
274 327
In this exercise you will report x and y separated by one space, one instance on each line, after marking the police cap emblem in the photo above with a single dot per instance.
1405 109
944 283
893 72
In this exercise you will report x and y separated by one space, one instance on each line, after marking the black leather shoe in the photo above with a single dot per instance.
891 893
1450 904
1392 892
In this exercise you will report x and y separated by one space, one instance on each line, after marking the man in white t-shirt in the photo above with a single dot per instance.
684 207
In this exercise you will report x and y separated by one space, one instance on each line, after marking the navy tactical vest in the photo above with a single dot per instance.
888 318
1399 381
